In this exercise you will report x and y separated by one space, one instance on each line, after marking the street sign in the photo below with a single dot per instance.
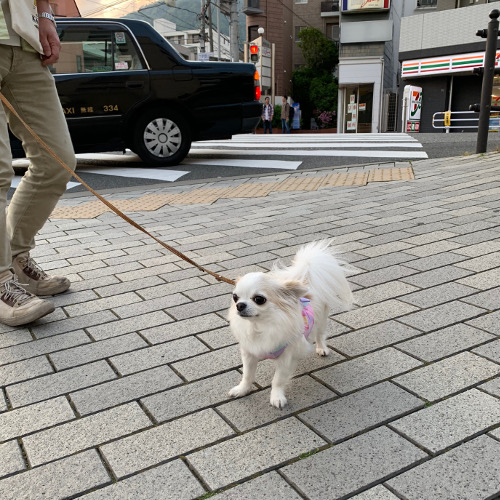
204 56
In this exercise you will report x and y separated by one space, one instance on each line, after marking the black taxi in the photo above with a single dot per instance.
122 85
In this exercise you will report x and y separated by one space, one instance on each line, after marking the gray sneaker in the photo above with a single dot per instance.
35 280
17 306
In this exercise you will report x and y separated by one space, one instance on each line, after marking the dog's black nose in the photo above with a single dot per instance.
241 306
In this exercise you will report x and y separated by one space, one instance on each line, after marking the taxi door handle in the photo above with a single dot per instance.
134 85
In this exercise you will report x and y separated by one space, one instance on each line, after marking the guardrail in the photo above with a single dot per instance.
449 120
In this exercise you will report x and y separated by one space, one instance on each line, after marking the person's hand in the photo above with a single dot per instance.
50 41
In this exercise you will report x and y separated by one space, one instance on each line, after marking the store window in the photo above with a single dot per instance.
495 95
358 102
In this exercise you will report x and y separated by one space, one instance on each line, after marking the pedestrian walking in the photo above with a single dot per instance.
267 116
28 45
285 115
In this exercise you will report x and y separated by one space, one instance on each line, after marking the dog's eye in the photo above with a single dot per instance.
259 300
235 297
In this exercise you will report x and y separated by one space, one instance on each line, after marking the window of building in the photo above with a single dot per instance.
333 32
254 4
93 51
298 29
426 3
193 38
253 32
300 1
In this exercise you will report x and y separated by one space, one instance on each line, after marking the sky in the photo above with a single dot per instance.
116 8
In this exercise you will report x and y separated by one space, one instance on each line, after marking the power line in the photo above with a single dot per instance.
295 14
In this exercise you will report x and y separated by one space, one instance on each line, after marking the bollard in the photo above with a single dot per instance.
487 88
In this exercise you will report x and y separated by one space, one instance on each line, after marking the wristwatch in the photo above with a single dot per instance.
48 16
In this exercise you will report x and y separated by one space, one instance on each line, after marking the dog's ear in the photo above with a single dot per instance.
294 289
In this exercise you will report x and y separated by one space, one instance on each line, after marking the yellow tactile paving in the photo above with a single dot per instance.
200 196
391 174
247 190
251 190
85 211
300 184
346 179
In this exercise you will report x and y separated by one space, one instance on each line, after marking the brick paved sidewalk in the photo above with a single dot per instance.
122 391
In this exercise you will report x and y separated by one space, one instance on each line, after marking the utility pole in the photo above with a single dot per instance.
233 31
202 27
210 30
218 30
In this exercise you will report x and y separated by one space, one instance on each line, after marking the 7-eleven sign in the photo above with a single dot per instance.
412 106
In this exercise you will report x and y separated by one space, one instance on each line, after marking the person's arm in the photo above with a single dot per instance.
48 35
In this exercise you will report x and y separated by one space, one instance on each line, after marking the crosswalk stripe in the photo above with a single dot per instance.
292 138
311 152
159 174
264 163
281 145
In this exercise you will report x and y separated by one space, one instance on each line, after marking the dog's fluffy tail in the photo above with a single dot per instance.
316 265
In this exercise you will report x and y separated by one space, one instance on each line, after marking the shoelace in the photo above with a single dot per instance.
37 271
15 292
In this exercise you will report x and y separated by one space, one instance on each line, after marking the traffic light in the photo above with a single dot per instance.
254 53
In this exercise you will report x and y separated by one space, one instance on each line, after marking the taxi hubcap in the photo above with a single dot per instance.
162 137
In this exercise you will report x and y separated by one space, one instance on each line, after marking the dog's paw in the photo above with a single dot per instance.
323 351
278 399
239 391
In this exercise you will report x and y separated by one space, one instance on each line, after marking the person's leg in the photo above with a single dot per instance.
17 307
6 170
30 89
283 126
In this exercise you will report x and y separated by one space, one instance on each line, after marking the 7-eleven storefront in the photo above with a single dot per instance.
448 83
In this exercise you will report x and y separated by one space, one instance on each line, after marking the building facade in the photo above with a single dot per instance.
277 19
367 34
368 74
438 51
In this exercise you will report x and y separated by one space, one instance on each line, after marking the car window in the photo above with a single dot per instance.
94 51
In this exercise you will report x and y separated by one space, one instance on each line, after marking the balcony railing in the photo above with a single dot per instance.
252 7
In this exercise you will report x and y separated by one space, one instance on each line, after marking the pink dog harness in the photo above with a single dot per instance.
308 317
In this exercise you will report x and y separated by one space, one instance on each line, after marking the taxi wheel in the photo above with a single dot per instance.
162 138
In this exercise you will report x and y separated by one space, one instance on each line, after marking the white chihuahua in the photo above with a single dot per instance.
273 314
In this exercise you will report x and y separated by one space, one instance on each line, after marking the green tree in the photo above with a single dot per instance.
319 52
314 86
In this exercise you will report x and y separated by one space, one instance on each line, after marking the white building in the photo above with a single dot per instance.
190 40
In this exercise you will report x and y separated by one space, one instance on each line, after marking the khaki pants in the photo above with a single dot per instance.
30 89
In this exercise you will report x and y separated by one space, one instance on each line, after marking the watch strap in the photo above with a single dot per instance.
48 16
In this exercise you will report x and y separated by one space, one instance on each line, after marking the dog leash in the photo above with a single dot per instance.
117 211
